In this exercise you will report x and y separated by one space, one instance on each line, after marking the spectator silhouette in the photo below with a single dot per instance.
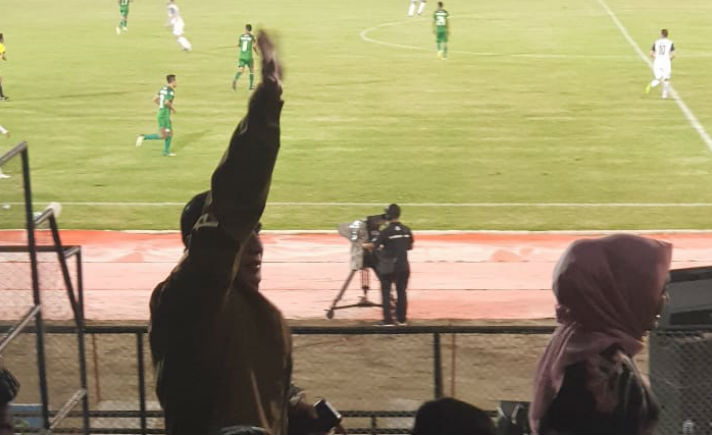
609 293
451 416
221 350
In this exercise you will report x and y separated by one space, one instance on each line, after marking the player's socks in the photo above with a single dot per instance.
184 43
666 89
167 145
421 7
252 80
411 10
152 136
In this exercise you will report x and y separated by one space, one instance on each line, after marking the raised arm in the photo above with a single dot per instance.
240 183
232 208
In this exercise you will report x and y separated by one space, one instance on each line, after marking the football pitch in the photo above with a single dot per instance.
536 121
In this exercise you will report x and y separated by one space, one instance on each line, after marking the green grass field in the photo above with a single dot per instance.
539 102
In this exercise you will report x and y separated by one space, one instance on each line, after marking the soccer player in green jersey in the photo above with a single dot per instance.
441 28
246 46
3 57
124 11
164 99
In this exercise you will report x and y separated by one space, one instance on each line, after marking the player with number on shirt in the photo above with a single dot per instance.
246 45
662 53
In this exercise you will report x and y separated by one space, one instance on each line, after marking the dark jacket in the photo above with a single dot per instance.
396 240
623 404
198 331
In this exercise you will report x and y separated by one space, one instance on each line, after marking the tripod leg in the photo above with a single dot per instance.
365 281
343 290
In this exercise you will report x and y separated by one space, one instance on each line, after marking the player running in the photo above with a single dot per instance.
3 57
124 11
441 28
421 7
662 53
164 99
247 47
175 21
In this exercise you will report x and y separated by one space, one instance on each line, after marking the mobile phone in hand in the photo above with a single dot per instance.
328 416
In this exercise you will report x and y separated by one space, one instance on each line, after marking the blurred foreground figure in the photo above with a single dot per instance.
8 390
609 293
448 416
222 352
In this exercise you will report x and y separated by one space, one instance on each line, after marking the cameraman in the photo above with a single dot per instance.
392 246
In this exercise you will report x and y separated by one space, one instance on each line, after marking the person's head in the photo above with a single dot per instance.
171 80
451 416
440 5
614 283
192 211
248 28
664 33
392 212
249 273
2 38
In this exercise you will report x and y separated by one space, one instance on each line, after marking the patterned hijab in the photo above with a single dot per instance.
609 291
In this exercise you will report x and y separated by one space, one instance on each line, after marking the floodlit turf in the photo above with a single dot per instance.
539 102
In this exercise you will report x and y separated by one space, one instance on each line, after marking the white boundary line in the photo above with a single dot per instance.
413 204
437 232
683 107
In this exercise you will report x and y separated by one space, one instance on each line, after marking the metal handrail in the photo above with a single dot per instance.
15 330
17 149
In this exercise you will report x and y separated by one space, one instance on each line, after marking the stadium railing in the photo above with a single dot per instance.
123 405
15 254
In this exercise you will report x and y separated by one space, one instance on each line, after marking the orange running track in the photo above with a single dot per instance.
463 276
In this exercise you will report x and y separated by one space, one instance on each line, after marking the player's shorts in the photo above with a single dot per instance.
124 11
441 36
245 62
662 70
164 122
178 27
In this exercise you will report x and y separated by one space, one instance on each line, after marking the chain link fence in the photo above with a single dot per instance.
61 350
682 380
33 284
376 377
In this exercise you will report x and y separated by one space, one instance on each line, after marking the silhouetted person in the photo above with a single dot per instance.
448 416
221 350
609 292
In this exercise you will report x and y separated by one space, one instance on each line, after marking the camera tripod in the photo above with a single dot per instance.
363 301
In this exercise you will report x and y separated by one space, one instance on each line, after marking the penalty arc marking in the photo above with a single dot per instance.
365 36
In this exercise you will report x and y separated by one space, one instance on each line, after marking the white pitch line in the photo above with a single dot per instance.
675 96
364 35
414 204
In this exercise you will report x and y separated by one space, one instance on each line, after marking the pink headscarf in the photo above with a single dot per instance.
609 292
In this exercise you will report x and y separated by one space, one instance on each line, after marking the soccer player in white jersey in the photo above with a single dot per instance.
177 25
421 7
662 53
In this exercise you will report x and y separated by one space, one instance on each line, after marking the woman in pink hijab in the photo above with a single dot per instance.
609 293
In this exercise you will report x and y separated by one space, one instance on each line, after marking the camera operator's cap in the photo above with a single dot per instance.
393 211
